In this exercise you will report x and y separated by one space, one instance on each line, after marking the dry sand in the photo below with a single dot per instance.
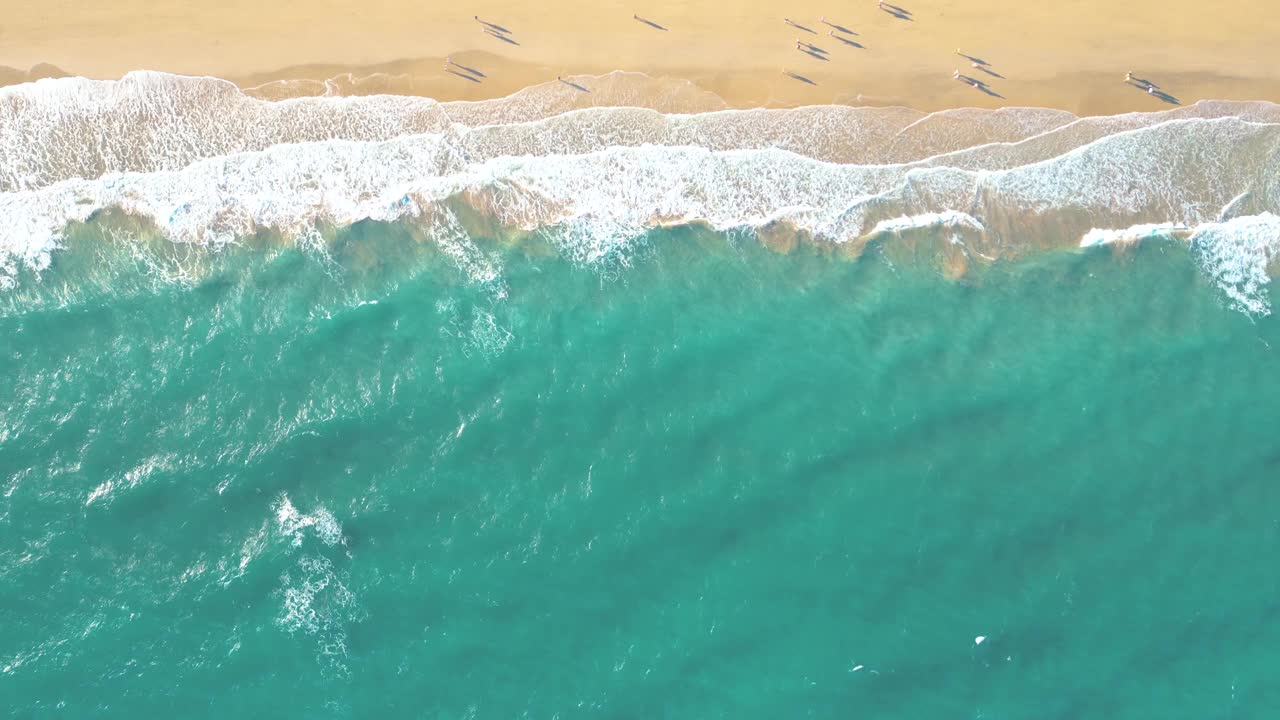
1069 54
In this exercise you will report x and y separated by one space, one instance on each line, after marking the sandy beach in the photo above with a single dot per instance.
1044 54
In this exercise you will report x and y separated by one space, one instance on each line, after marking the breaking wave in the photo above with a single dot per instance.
316 600
203 162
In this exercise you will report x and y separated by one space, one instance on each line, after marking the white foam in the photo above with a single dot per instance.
1186 168
57 129
997 154
226 166
316 601
609 197
315 598
1106 236
315 576
294 525
948 218
1237 254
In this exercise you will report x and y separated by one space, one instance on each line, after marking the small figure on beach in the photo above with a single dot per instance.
1150 88
812 54
799 27
801 78
841 28
986 69
812 48
975 83
501 36
573 85
450 62
845 40
492 26
462 75
1130 78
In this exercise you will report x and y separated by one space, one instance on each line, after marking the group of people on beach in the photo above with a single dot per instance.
839 32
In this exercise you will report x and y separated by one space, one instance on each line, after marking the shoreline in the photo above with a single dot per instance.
1071 58
1083 94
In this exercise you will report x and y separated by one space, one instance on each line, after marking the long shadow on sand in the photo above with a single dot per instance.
897 11
987 89
799 27
650 23
801 78
500 36
466 69
1156 93
841 28
464 76
574 85
492 26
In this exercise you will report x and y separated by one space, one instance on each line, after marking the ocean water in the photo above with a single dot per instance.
712 419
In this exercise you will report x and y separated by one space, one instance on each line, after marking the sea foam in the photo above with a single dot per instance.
205 163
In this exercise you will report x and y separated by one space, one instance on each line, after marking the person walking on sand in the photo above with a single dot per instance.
798 26
492 27
1129 77
841 28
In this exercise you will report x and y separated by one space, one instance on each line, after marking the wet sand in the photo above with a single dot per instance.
1071 56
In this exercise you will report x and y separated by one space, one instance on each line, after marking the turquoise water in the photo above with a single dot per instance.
707 483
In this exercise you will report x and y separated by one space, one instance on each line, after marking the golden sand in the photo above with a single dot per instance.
1070 54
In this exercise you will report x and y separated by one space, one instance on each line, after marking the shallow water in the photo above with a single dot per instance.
709 482
198 162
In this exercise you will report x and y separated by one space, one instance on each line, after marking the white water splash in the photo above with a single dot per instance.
295 525
600 178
